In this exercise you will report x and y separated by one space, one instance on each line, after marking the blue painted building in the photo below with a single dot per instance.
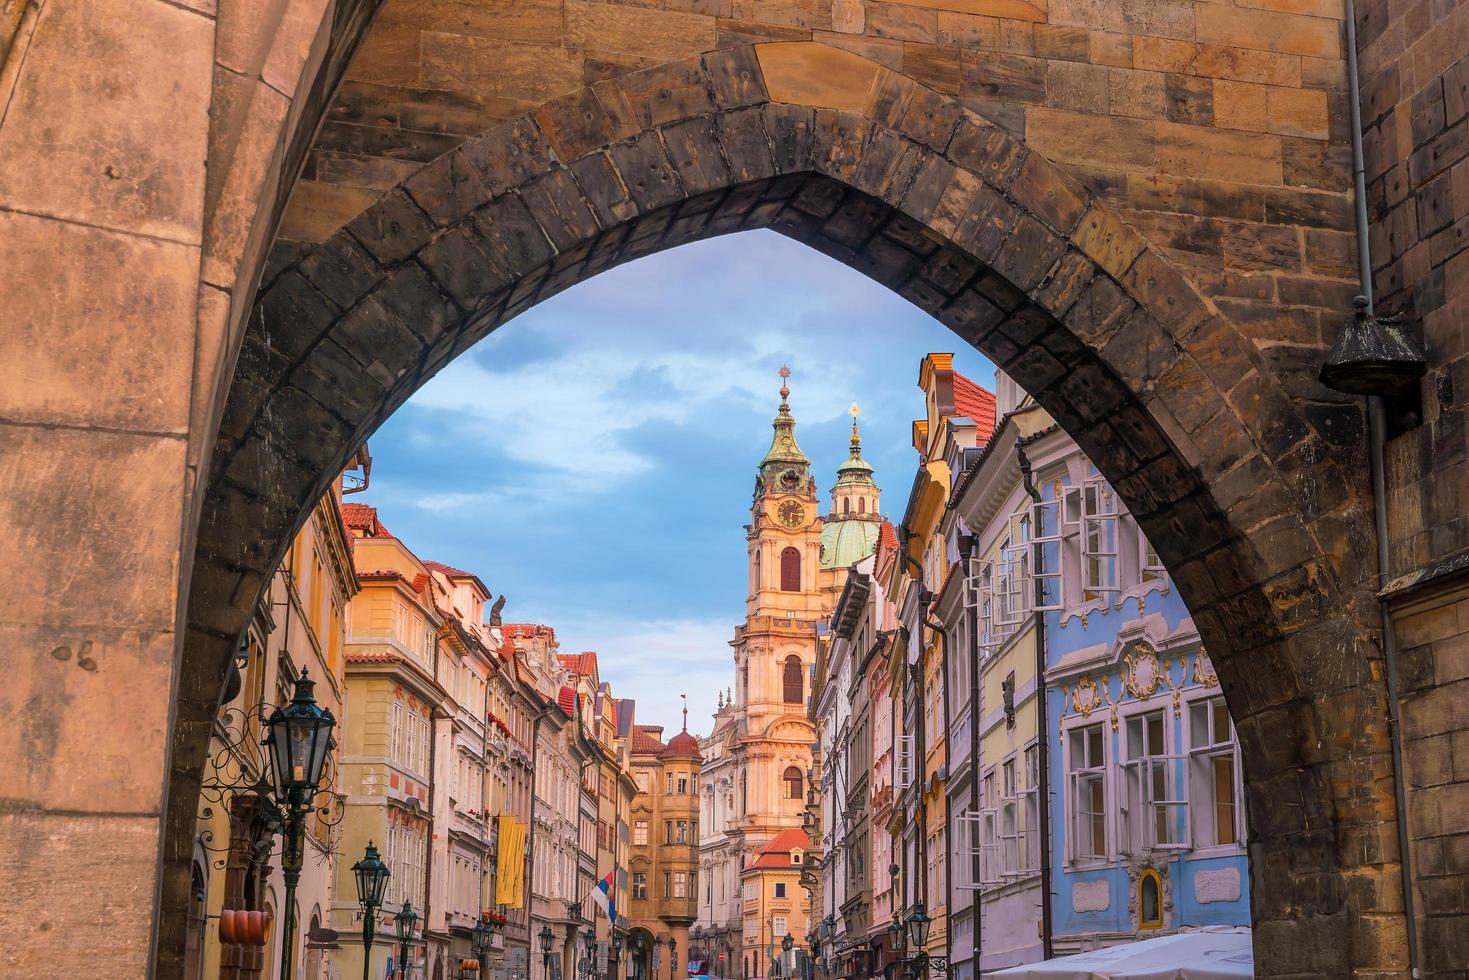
1142 772
1147 811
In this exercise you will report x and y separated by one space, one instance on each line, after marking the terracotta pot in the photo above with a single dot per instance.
228 933
257 928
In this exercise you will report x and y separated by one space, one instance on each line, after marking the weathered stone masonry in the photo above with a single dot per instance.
1208 139
904 183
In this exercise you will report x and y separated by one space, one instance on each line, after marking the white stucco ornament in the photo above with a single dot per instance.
1091 896
1216 885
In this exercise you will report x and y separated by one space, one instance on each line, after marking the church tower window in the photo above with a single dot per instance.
790 570
792 780
793 681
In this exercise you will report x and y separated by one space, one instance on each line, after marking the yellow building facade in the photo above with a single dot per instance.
298 628
664 856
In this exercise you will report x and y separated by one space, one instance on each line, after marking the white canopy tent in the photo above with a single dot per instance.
1221 955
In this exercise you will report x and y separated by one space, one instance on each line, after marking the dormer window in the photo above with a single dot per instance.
796 858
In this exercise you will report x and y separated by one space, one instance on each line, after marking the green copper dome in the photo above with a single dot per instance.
845 542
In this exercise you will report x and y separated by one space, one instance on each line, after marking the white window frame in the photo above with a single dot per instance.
968 835
1089 771
1201 756
906 762
1100 538
1153 801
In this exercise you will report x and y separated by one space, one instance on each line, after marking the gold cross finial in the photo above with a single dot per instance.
785 390
854 411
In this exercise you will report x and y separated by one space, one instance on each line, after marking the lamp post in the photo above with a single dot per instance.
546 940
481 937
406 920
614 948
917 926
372 881
298 739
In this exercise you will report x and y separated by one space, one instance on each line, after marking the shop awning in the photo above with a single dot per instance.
1222 955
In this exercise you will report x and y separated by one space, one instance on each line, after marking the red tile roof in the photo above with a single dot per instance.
977 403
529 630
888 534
566 700
777 854
583 664
363 517
682 746
647 739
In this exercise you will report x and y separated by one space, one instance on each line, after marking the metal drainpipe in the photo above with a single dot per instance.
1376 437
975 869
1043 735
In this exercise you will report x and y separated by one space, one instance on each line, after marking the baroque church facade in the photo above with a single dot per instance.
758 757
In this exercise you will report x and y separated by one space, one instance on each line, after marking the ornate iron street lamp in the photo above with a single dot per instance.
614 948
547 938
298 739
372 881
405 922
481 937
917 926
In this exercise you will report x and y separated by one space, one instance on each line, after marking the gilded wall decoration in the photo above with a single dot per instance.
1086 697
1204 669
1140 675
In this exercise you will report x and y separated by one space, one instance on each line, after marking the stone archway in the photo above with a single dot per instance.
903 183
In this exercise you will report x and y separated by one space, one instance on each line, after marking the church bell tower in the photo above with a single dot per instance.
784 534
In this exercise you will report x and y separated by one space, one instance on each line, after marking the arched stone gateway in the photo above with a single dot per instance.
1179 411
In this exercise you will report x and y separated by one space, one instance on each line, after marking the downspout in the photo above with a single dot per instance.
968 546
530 863
1377 437
1043 727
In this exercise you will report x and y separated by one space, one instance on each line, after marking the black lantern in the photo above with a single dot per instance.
372 881
546 940
372 878
481 936
895 932
406 921
299 738
787 943
918 926
1373 355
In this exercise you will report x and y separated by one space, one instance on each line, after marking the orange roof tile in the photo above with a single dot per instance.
584 663
363 517
777 854
977 403
566 700
647 739
529 630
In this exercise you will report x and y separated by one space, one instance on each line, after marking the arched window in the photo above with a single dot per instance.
1150 900
862 506
792 783
793 682
790 570
846 505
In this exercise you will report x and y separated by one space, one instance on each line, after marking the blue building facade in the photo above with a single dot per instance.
1144 771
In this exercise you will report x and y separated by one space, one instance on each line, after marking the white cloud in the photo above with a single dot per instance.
654 661
572 412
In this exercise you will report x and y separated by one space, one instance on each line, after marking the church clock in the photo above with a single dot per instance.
792 514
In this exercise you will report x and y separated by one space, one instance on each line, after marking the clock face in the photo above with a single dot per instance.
792 513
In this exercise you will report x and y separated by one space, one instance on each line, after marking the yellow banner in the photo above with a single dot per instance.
510 873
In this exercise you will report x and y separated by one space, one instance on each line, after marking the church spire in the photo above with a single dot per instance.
785 468
855 470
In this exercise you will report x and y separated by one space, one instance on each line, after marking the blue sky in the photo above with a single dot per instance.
594 458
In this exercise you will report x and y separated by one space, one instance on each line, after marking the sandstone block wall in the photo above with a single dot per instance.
1217 129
